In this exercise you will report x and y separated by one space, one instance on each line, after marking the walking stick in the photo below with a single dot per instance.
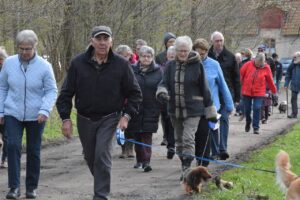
287 101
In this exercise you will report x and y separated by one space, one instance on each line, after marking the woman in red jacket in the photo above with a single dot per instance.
255 75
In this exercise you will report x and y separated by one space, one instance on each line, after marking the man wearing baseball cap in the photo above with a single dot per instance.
100 80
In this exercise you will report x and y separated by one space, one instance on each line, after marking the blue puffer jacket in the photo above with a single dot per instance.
26 93
217 84
293 76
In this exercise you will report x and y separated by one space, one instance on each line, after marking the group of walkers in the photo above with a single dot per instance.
189 84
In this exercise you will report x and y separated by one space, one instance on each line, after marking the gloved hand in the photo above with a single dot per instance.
275 100
163 97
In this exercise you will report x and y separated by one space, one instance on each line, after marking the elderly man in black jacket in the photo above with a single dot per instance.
231 73
100 80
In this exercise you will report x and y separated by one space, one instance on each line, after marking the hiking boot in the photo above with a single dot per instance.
147 167
264 121
3 164
256 131
170 153
247 127
224 155
292 116
185 165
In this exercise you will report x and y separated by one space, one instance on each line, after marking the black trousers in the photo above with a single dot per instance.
96 139
167 128
202 141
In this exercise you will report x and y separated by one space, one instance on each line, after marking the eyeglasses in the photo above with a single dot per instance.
146 56
182 51
25 49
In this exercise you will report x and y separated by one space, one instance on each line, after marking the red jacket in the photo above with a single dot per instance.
254 80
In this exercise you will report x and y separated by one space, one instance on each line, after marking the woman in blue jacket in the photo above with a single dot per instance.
218 89
27 94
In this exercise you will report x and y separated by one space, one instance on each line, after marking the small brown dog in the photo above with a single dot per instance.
193 179
287 180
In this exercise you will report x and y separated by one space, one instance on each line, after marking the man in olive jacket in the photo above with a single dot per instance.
100 81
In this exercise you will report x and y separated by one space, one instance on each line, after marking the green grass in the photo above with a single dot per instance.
52 131
248 183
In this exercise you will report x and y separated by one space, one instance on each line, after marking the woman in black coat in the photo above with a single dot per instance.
145 123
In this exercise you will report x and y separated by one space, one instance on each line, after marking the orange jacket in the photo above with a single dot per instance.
254 80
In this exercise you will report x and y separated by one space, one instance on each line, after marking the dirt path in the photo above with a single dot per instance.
65 176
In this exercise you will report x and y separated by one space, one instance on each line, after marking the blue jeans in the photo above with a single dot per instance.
224 129
257 103
14 130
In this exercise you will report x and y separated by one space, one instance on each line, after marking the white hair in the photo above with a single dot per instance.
146 49
260 57
183 40
27 36
122 49
297 53
171 49
216 33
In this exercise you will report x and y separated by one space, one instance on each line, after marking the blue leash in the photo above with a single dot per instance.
203 158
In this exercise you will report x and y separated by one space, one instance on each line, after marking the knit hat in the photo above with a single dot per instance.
168 36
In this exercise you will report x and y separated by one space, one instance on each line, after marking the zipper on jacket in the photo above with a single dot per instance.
254 76
24 73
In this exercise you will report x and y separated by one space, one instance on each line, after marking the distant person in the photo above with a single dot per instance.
161 59
292 80
100 80
247 55
231 73
166 123
262 49
255 75
169 40
238 59
217 87
185 88
279 71
3 162
27 95
143 125
138 44
126 52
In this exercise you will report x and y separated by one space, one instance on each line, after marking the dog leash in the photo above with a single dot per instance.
203 158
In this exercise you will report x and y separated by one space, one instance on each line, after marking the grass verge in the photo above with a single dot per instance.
254 185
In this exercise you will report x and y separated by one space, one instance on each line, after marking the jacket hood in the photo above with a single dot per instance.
167 37
193 57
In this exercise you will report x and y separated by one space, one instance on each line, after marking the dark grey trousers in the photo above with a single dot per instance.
294 103
96 139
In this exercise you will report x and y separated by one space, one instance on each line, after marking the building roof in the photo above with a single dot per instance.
292 22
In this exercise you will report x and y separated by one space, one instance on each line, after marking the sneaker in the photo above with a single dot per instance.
147 167
164 142
256 131
247 127
170 153
3 164
138 166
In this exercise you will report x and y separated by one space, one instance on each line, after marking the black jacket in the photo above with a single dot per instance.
147 119
188 88
99 89
279 72
230 70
